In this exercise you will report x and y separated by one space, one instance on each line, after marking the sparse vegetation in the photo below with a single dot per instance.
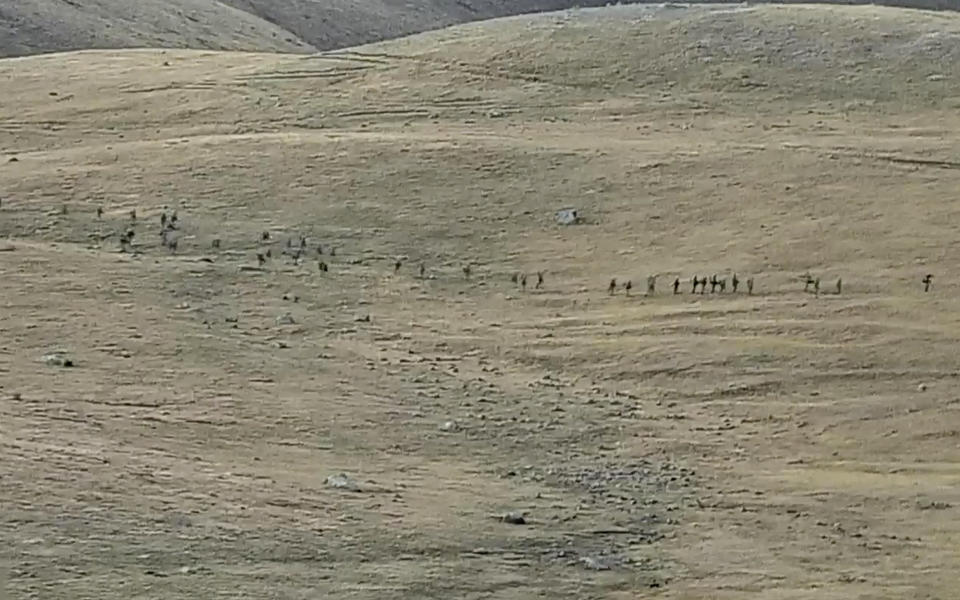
278 431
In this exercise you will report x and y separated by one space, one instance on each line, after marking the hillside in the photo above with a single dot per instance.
727 445
36 26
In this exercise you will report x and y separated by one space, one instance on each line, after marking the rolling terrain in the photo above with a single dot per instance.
278 431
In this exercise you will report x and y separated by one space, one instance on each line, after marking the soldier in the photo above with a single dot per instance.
676 286
816 286
723 284
99 212
466 271
133 215
839 286
651 284
163 220
695 282
735 283
750 285
927 280
523 282
215 244
264 236
261 259
612 288
539 280
713 284
423 271
323 266
628 286
396 266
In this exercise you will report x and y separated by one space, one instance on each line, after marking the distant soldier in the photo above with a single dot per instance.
333 251
695 282
927 281
612 288
319 249
133 215
839 286
466 271
423 271
628 286
735 283
261 259
713 284
676 286
215 244
163 220
289 242
816 286
539 280
651 284
523 282
323 266
269 253
515 277
723 284
396 266
99 212
63 209
750 285
264 236
807 281
303 242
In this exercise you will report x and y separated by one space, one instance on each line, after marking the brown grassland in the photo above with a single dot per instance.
781 445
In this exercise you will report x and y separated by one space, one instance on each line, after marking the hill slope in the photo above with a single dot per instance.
724 445
33 26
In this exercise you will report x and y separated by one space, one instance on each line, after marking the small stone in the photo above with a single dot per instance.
450 426
57 359
285 319
922 387
342 481
595 563
514 518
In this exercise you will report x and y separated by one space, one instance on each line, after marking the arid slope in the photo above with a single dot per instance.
723 445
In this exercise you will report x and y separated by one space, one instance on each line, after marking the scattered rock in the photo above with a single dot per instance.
514 518
362 319
450 426
922 387
57 359
285 319
596 563
342 481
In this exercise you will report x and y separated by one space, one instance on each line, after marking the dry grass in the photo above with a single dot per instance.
720 446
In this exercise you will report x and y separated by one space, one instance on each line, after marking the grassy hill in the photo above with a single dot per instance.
718 445
34 26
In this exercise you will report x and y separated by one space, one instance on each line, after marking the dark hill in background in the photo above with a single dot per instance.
35 26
